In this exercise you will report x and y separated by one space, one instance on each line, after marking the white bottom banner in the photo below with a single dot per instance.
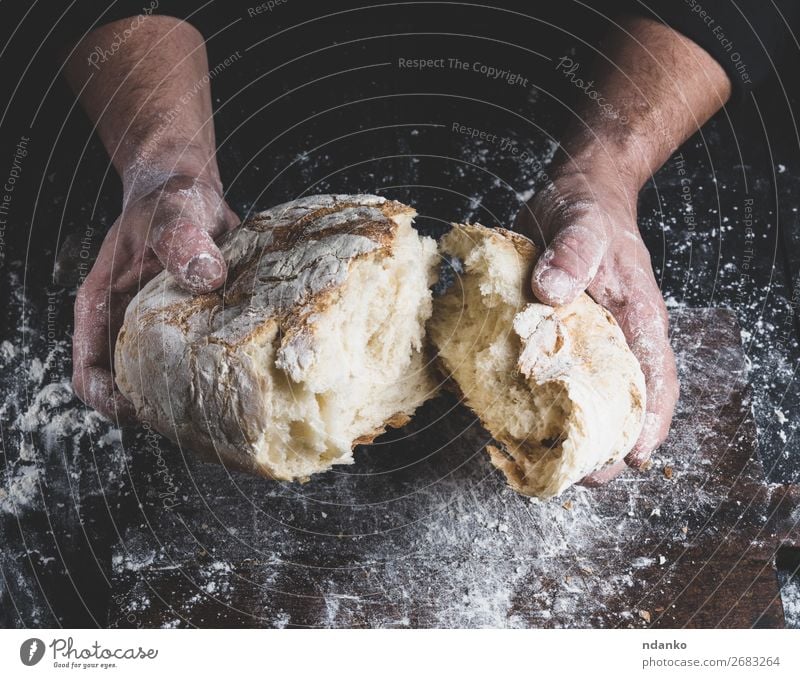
376 653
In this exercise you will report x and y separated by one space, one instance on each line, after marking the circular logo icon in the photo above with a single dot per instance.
31 651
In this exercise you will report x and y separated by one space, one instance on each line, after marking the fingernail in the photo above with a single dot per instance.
557 283
203 268
637 459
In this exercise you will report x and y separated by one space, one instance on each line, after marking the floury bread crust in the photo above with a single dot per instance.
557 387
314 345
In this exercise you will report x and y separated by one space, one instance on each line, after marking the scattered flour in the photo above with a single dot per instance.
790 593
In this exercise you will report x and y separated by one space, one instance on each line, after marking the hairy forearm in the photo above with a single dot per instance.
657 89
150 98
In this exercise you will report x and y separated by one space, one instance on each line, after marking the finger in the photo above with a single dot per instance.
98 317
604 475
570 262
95 387
642 316
191 255
649 342
662 396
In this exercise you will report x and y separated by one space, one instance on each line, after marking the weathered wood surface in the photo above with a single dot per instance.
422 532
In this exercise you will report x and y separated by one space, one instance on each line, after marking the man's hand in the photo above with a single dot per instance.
657 88
151 104
171 225
586 227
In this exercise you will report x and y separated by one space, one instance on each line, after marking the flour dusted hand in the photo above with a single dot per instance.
169 222
587 229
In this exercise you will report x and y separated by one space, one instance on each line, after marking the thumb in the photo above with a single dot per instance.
191 255
570 263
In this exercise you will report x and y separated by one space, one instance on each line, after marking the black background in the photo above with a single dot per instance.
319 105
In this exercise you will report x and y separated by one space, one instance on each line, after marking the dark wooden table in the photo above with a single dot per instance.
422 532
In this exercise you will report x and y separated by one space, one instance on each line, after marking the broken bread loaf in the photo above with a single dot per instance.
314 344
558 388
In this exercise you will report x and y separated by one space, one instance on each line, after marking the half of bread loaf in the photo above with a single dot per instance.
314 345
557 387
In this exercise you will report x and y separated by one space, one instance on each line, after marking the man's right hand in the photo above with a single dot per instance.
150 101
168 223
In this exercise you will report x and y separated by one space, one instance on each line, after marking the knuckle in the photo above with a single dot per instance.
575 253
163 234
